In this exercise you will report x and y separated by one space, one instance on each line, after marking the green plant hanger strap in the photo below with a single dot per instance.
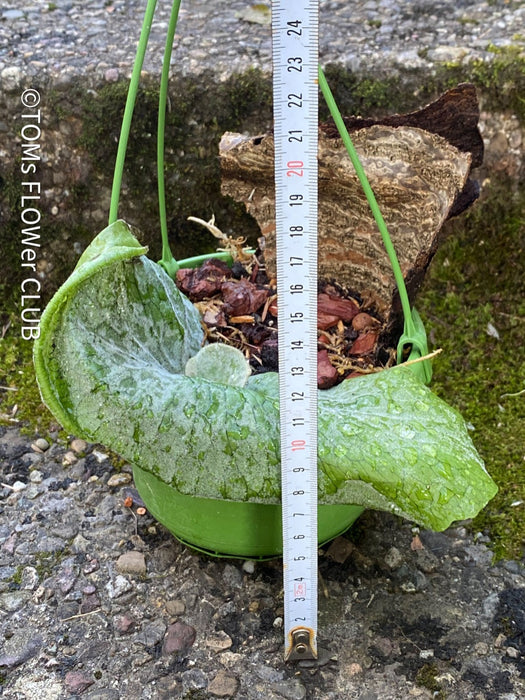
167 262
128 110
414 334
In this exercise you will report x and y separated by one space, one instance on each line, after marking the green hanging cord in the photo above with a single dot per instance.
414 331
128 111
168 262
198 260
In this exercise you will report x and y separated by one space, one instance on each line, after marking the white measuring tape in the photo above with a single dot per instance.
295 98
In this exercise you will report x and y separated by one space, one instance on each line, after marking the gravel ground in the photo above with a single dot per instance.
70 38
101 602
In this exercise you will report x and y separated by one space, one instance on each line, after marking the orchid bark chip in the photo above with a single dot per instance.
110 362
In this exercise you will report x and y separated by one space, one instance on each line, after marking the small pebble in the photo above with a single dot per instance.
229 659
232 576
426 654
12 14
91 566
80 544
77 682
12 601
248 566
111 75
193 680
174 608
31 458
291 689
132 563
340 549
40 445
78 445
30 579
482 648
384 645
18 486
33 490
78 469
120 479
118 587
408 587
354 669
152 633
69 458
218 641
124 624
393 558
179 637
500 640
10 543
223 685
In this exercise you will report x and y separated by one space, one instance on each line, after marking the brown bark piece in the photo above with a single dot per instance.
454 116
344 309
242 297
204 281
417 176
326 321
327 374
364 344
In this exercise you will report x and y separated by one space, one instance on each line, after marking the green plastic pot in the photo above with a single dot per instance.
230 528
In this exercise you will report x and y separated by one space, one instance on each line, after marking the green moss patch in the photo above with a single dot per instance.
426 677
500 82
202 111
473 303
20 401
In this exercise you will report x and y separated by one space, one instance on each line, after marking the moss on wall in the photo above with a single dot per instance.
201 111
473 304
500 82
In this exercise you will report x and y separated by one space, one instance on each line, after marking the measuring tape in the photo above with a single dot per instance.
295 99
